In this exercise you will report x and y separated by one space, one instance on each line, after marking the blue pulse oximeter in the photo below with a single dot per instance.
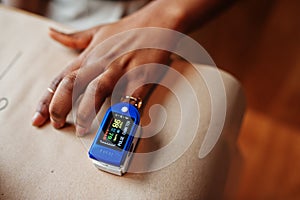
116 138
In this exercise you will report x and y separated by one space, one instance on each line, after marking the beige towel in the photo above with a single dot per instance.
45 163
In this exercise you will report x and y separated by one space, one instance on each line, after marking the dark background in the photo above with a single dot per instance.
259 43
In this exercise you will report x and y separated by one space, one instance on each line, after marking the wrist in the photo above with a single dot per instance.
159 13
180 15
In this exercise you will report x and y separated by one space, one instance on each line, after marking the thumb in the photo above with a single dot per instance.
79 40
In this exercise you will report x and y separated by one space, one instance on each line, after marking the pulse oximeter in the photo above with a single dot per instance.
117 137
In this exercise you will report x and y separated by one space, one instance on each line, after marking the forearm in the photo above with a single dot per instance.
35 6
181 15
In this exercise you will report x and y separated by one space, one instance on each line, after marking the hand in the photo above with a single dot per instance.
93 76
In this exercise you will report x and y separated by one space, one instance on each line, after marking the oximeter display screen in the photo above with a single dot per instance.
115 131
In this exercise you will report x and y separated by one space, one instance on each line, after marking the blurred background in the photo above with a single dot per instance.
258 41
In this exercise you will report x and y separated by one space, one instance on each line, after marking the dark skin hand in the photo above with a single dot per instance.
93 75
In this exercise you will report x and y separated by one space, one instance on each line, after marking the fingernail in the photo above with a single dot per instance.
38 119
56 124
80 131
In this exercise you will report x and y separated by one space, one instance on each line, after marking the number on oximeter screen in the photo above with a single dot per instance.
115 132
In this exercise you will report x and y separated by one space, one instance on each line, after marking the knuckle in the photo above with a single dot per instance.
102 86
141 75
68 82
74 64
43 107
122 62
55 82
82 118
92 87
138 76
55 113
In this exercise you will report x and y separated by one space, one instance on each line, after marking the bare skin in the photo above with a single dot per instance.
35 6
97 77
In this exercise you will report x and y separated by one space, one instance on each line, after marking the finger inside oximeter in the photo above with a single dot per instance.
116 138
